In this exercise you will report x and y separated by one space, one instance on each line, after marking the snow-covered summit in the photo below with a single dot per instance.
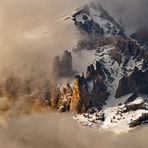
94 19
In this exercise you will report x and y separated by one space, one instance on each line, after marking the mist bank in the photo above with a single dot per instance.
32 33
54 130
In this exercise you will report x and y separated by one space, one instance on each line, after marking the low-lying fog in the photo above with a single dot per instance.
60 131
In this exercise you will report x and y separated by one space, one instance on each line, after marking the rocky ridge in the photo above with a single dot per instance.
118 68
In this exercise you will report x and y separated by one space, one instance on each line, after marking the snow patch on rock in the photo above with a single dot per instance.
115 119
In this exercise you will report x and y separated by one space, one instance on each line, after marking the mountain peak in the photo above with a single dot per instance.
94 20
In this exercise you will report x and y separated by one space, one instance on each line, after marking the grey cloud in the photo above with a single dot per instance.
133 12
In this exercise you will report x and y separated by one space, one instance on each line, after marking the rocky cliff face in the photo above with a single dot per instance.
76 102
86 92
118 67
137 82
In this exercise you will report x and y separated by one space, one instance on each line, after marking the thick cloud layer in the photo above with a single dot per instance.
60 131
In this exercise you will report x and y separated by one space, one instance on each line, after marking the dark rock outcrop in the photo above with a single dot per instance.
137 82
143 119
92 90
141 35
127 47
131 98
143 105
63 66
